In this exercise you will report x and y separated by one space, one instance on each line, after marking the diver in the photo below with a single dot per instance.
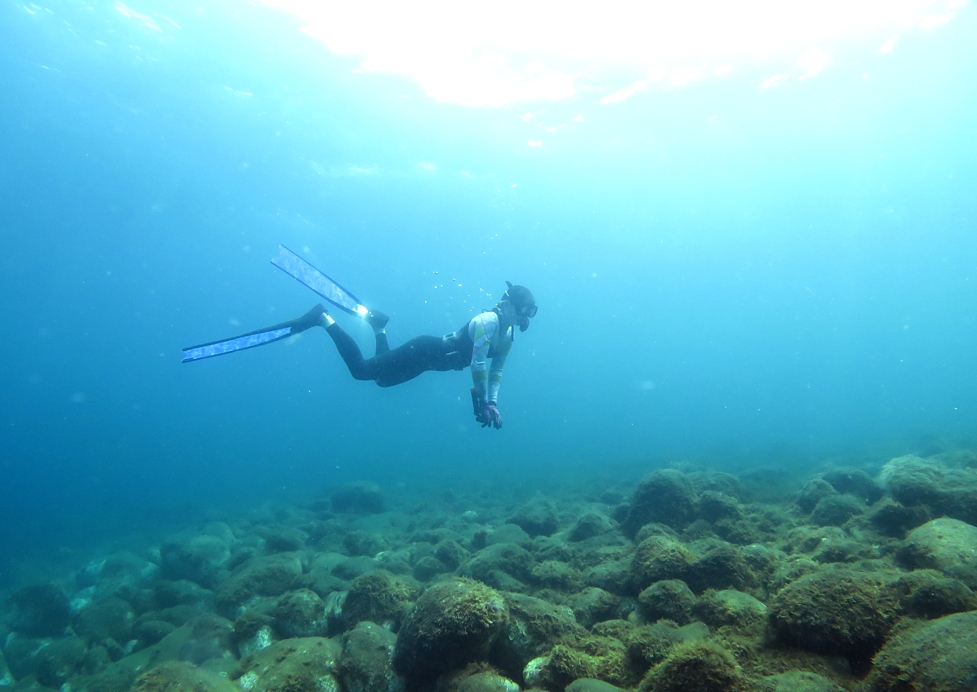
483 342
486 337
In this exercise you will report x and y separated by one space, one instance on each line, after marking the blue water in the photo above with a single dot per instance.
726 274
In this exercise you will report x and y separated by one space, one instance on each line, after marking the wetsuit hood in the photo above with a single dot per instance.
523 301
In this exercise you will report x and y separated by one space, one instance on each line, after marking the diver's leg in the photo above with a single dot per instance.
359 367
378 321
409 360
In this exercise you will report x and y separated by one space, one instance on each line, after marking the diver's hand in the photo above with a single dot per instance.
491 416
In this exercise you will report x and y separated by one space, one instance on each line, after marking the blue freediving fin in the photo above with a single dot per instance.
258 337
309 276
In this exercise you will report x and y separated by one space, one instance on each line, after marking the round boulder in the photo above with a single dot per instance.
453 623
378 597
938 655
797 681
537 518
946 545
701 666
854 482
108 618
835 612
589 525
300 613
200 559
731 608
812 492
668 599
666 497
308 663
42 610
178 676
835 510
657 558
366 663
60 660
361 497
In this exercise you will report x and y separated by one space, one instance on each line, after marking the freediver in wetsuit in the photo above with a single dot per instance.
486 337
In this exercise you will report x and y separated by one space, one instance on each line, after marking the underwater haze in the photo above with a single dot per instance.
752 264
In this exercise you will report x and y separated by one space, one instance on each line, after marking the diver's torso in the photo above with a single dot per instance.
461 343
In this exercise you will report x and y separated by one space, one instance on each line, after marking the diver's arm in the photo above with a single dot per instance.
495 377
482 329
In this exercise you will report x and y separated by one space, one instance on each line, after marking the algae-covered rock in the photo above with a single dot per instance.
943 485
593 605
60 660
731 608
835 510
6 677
211 637
450 553
836 612
657 558
453 623
891 518
300 613
598 657
537 518
366 664
363 543
200 558
613 575
590 525
379 597
855 482
715 507
719 565
928 594
702 666
427 568
263 576
937 656
668 599
486 681
180 676
169 593
648 645
120 675
797 681
361 497
504 565
554 574
947 545
591 685
21 652
532 628
666 497
41 610
108 618
812 492
308 664
149 632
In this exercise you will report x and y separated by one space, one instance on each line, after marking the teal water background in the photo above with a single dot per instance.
727 274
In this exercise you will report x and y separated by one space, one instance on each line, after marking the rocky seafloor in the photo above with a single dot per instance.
684 581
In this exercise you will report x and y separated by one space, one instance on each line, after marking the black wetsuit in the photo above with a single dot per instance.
390 367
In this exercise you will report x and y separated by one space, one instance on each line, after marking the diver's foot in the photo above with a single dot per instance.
377 320
310 319
316 317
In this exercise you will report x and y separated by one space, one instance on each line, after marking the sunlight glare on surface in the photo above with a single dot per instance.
485 54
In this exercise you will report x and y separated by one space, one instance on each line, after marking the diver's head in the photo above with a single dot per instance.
519 302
